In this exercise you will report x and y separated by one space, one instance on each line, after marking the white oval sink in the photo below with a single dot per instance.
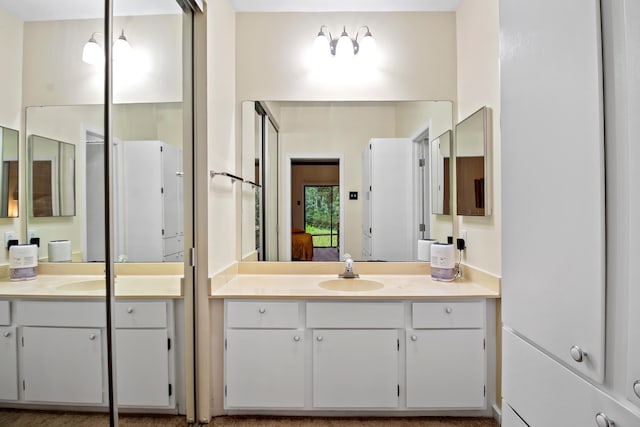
353 285
85 285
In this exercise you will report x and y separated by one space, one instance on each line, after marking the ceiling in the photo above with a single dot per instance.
345 5
52 10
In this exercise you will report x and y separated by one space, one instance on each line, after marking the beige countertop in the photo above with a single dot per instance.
83 286
308 286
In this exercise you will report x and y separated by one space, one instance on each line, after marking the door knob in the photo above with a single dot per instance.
296 338
7 334
129 310
603 421
636 388
262 310
577 354
92 337
448 310
319 338
414 338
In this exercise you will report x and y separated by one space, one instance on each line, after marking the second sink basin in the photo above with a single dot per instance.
354 285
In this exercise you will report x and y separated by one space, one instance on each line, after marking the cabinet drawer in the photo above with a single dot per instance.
389 315
5 313
448 314
63 313
141 314
262 314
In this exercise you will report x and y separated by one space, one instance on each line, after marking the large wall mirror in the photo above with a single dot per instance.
148 201
9 197
317 149
473 160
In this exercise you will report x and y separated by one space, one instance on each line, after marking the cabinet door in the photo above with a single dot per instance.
142 367
544 393
553 168
355 368
445 368
62 365
9 365
264 368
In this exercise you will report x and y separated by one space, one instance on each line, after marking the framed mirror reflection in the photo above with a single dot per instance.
9 175
322 144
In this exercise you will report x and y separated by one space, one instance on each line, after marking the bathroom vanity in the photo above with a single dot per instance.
414 345
53 343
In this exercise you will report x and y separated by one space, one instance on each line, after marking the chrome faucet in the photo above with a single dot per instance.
348 268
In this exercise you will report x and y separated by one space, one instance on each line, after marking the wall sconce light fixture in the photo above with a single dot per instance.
344 46
93 54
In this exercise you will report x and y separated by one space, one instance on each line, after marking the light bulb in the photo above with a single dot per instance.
368 50
321 46
121 48
92 52
344 48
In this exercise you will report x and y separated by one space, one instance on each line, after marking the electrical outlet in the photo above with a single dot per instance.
463 235
31 234
9 235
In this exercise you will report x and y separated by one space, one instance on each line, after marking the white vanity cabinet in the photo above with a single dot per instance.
446 356
319 355
144 354
264 355
61 351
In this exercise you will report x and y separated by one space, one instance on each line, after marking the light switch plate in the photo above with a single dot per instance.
9 235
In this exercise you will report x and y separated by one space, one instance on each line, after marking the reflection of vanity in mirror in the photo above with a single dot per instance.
9 198
473 185
320 145
66 179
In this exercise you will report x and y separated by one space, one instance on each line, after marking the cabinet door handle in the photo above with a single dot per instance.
296 338
262 310
577 354
603 421
319 338
7 334
92 337
448 310
636 388
414 338
129 310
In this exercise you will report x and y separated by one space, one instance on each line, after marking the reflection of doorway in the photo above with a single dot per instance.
315 206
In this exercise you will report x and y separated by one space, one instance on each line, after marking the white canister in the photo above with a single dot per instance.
59 251
443 262
23 262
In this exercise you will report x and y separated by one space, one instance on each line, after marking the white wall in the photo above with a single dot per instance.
478 85
417 57
54 73
223 209
11 31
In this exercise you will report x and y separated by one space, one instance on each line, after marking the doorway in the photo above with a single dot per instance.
315 208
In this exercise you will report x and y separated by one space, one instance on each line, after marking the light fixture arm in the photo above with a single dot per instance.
333 42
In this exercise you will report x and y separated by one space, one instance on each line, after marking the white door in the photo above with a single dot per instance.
445 368
142 361
392 205
62 365
553 188
355 368
143 201
9 365
264 368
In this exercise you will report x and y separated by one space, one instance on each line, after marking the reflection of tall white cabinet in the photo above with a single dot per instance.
152 201
388 208
557 369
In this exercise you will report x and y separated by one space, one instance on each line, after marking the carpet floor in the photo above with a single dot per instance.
24 418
